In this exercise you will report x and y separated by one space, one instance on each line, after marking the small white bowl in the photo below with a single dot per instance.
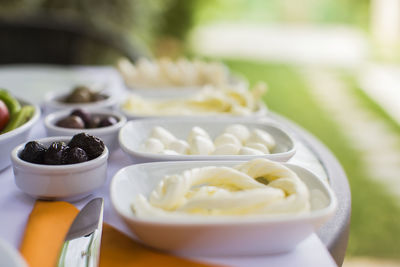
108 134
134 134
52 102
59 182
212 236
12 138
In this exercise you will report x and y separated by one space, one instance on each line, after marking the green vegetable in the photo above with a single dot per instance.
12 104
19 118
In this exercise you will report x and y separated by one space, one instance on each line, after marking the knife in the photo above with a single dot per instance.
82 244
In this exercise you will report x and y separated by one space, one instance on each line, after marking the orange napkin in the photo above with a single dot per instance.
49 222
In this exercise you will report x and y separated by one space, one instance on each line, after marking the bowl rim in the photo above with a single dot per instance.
50 119
50 99
16 160
147 155
27 124
325 212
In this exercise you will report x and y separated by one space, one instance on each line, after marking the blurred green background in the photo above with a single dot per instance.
168 28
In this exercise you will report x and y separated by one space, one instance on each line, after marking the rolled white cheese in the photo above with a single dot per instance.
163 135
201 145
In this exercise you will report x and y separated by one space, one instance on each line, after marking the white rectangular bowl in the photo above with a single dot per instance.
210 236
171 94
135 133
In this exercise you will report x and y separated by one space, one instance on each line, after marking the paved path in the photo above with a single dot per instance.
382 83
378 145
327 45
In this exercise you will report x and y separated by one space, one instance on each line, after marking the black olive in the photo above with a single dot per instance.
33 152
92 145
54 154
74 155
107 121
81 94
94 122
71 121
85 116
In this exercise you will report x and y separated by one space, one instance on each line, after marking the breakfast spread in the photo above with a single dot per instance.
182 73
207 101
83 94
236 139
82 147
256 187
80 119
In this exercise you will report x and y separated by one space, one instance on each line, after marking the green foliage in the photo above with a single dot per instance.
148 20
209 11
130 17
322 11
177 18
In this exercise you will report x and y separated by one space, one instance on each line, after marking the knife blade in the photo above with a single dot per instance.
82 243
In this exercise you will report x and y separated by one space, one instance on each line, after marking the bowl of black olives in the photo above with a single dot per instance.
80 96
102 123
60 168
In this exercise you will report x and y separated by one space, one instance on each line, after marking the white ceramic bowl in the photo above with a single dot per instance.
12 138
261 112
108 134
134 133
69 182
213 237
52 102
183 90
234 80
177 94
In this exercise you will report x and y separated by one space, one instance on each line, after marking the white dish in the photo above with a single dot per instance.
174 93
165 73
12 138
52 102
261 112
134 133
213 237
108 134
186 90
9 256
59 182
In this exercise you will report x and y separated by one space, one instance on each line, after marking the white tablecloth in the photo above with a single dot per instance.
15 206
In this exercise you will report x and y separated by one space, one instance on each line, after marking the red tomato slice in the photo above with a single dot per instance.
4 115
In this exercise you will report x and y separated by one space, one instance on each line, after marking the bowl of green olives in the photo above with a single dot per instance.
80 96
102 123
61 167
